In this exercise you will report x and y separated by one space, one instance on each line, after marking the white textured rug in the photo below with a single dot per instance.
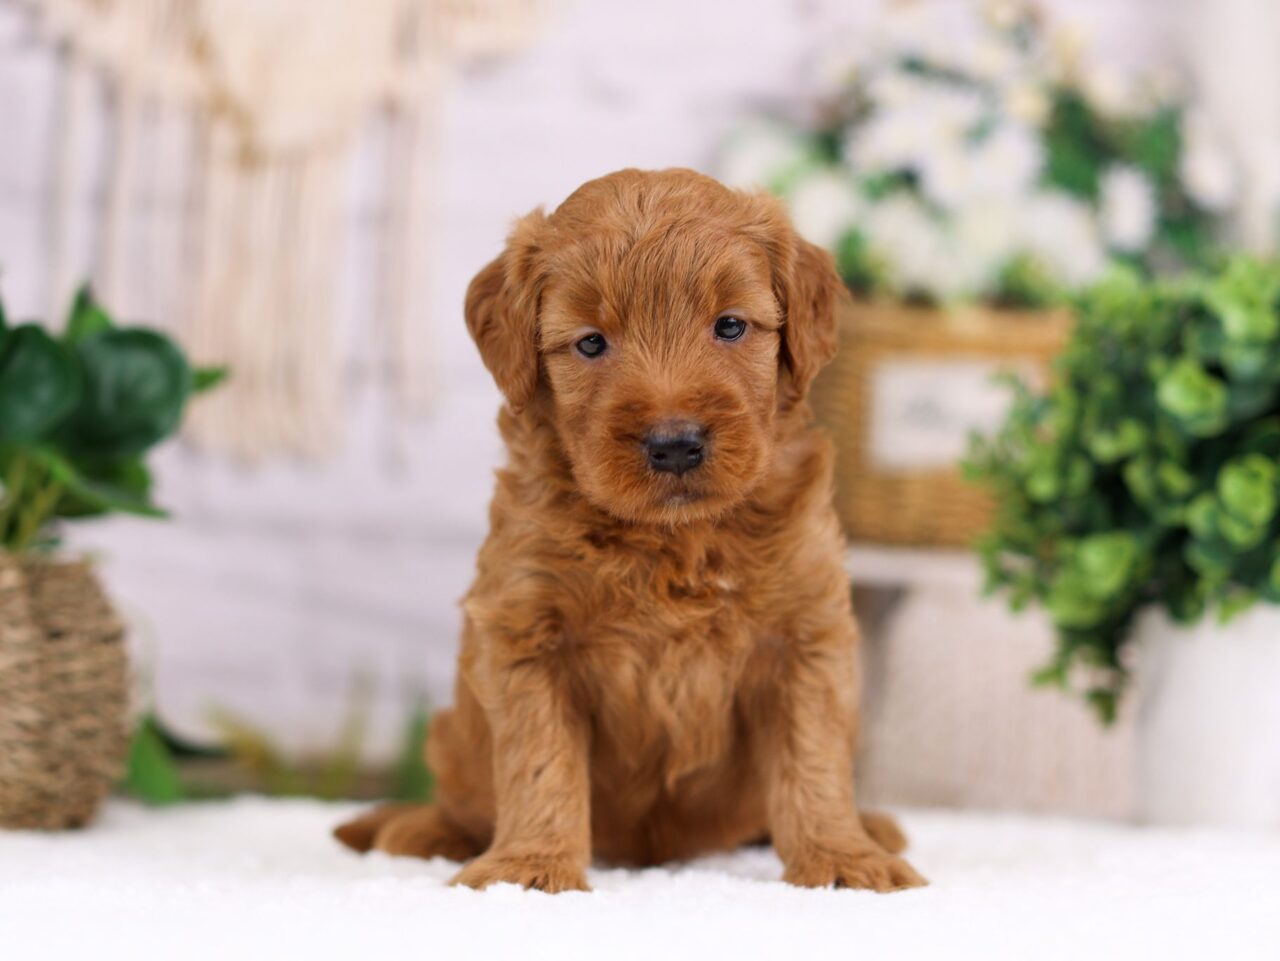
261 879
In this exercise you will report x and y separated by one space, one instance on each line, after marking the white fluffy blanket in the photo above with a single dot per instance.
256 879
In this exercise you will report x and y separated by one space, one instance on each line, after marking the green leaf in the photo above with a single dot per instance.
1247 322
1247 489
1244 298
38 384
136 385
1109 446
1104 702
1027 282
117 486
413 781
86 317
1043 484
1155 144
1236 604
1241 533
151 774
1209 559
1106 562
1174 479
1193 396
1072 142
1072 601
1140 479
118 489
1202 516
207 378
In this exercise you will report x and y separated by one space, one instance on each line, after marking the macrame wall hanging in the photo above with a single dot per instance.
270 96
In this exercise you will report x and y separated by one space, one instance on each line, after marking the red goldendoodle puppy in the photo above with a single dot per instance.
659 655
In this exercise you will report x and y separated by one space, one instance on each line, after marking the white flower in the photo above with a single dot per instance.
942 33
891 88
924 114
1001 167
759 153
1109 91
1208 171
901 231
1062 233
1128 208
986 237
994 59
1004 13
888 140
824 206
1026 101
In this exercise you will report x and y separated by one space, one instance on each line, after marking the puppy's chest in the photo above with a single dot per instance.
657 596
664 644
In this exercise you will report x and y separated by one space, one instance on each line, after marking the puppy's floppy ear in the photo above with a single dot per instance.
502 312
810 295
807 288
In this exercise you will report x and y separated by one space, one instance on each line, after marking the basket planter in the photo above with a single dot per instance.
63 694
1209 720
905 390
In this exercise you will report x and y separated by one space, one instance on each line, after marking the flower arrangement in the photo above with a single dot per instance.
969 155
80 412
1149 474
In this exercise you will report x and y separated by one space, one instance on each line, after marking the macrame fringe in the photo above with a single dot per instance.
277 90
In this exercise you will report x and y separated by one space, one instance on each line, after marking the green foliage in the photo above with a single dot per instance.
1024 282
1148 473
164 768
859 267
1075 145
39 384
412 779
151 774
1081 143
78 413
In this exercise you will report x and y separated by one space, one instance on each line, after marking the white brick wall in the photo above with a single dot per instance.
275 587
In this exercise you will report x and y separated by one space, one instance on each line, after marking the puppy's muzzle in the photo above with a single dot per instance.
676 447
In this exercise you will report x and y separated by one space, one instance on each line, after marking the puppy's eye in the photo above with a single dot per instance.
730 328
592 345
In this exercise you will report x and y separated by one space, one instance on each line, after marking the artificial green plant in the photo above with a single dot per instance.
79 412
1148 473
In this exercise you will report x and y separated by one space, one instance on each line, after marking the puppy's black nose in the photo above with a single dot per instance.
676 448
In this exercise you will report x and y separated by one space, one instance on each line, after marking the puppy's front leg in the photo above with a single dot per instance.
807 739
542 838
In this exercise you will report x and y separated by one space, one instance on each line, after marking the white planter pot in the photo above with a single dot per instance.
1209 720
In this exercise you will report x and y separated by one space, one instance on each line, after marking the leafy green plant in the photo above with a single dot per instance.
78 414
1148 473
151 774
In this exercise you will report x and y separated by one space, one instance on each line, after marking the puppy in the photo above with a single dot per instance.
658 656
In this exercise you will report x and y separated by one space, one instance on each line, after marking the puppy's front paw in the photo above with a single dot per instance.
869 868
552 873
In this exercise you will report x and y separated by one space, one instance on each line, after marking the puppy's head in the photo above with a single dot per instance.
663 322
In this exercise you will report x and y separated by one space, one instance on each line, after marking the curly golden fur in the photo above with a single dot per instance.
654 663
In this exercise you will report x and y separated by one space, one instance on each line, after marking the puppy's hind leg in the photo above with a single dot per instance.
409 830
426 832
358 834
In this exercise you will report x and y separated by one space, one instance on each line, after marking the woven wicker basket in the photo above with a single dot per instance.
897 481
63 694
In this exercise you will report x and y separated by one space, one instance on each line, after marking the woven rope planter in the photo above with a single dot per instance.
63 694
906 387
